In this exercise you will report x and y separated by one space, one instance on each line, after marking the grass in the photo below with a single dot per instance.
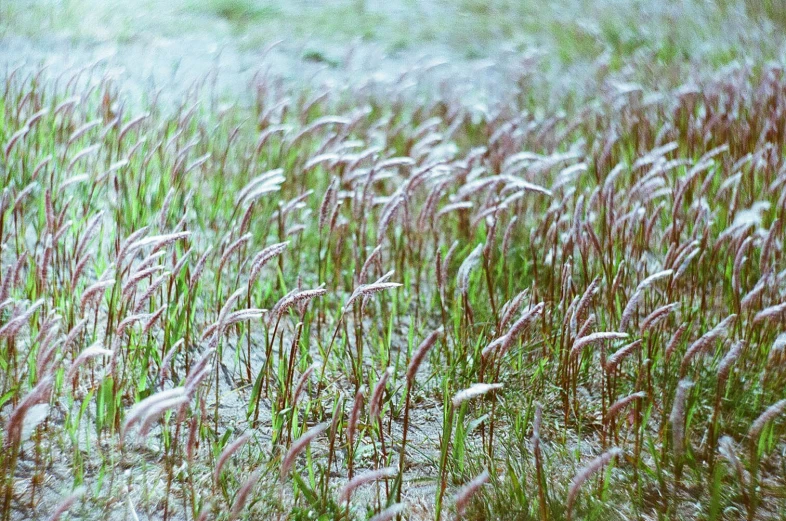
574 32
238 12
368 303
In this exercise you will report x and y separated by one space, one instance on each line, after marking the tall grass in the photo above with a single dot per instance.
368 305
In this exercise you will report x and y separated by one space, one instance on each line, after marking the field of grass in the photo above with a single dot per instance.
382 301
570 31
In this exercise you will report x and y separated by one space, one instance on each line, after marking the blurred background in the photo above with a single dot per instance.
170 43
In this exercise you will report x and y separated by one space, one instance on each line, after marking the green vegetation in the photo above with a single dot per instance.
371 303
571 32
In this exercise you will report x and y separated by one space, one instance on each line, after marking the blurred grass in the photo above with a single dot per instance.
772 10
571 31
238 11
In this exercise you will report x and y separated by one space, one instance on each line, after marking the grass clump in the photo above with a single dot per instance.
239 12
